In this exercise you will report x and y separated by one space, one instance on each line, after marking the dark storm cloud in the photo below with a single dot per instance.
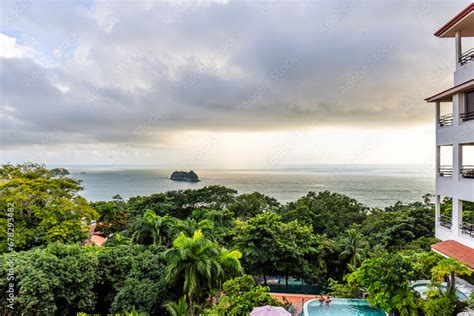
104 71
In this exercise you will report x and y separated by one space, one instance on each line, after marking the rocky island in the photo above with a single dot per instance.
190 176
59 172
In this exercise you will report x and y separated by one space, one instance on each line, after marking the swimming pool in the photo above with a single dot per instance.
423 286
341 307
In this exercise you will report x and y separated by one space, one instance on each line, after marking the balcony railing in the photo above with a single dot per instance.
466 56
467 228
445 221
446 120
467 171
445 171
466 116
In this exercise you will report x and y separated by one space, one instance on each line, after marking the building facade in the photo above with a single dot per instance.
455 144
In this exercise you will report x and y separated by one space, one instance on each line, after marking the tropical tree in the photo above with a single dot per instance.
297 250
446 270
256 239
154 228
400 225
271 246
190 225
181 204
328 213
221 226
131 276
230 266
241 296
58 279
353 248
387 280
45 208
179 308
250 205
113 216
200 264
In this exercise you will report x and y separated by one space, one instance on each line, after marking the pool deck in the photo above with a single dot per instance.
297 300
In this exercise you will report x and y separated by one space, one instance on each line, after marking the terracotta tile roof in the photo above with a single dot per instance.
447 95
98 240
457 251
461 15
95 237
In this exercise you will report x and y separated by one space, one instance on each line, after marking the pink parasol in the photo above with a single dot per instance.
268 310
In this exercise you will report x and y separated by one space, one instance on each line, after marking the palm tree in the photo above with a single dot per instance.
354 248
202 264
230 266
446 270
180 308
151 226
189 226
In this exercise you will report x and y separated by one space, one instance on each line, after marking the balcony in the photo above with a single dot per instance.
467 172
467 229
445 221
445 171
466 57
467 116
445 120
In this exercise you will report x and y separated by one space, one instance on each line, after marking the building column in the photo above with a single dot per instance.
456 162
437 209
437 162
456 108
458 48
437 113
457 217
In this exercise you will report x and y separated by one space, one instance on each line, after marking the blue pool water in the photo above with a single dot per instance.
424 287
341 307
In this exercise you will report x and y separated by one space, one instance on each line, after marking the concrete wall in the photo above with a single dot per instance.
456 187
464 73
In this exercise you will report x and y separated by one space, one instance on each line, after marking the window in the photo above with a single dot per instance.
468 114
445 162
470 101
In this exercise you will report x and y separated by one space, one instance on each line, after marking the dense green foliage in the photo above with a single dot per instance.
180 252
387 280
328 213
65 279
240 296
45 208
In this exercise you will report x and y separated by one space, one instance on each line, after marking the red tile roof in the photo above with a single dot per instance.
456 251
446 95
98 240
95 237
461 15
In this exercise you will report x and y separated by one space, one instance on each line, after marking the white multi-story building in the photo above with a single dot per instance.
455 146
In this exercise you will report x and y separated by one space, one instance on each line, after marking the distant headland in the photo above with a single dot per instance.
59 172
190 176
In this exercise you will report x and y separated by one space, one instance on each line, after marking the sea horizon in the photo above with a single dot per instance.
375 185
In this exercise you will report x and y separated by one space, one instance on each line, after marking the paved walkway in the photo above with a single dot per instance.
297 300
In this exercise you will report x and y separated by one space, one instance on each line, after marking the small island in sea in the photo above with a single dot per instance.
190 176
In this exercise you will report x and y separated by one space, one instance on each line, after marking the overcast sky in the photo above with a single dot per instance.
228 84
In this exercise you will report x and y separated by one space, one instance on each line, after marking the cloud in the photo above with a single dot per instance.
110 72
9 48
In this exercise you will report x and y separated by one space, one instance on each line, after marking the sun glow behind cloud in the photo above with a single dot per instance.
267 150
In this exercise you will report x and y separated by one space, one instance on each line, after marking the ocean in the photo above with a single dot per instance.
373 185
